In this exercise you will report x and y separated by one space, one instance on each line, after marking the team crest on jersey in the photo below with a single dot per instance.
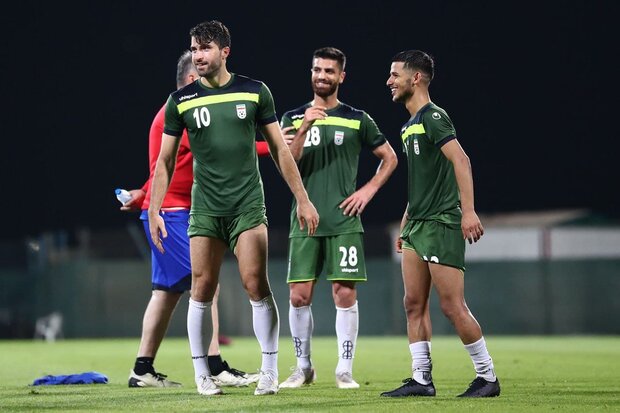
338 137
241 111
436 115
416 146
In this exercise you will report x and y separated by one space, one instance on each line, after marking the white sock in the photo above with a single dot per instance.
302 324
199 331
267 330
421 362
483 363
347 326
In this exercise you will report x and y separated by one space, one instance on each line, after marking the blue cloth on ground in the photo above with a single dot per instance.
90 377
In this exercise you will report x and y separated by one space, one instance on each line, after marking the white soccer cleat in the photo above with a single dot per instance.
266 385
345 380
228 379
298 378
252 377
150 380
207 387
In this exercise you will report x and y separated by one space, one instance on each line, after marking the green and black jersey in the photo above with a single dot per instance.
328 165
221 124
433 193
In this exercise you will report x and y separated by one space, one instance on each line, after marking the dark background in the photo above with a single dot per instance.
530 86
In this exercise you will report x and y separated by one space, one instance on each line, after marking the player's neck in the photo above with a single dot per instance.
328 102
218 80
417 101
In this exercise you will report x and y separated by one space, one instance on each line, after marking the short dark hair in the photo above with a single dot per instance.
184 65
211 31
331 53
417 60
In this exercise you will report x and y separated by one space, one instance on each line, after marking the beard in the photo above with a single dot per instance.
210 70
324 90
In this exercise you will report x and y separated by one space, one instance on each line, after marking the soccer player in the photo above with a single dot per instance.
221 112
438 219
171 273
327 140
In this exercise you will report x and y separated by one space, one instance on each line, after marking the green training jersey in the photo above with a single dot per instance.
328 165
221 124
433 193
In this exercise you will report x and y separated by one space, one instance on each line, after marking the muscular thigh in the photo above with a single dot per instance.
251 251
206 256
448 281
416 276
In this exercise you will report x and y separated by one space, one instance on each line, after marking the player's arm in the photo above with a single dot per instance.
357 201
296 141
164 169
306 212
470 223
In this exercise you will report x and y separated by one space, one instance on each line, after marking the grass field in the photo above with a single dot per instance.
567 374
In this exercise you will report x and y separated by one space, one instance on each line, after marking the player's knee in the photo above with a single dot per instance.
344 296
299 299
453 310
414 306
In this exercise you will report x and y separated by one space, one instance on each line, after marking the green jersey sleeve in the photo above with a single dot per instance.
266 108
371 135
173 124
438 126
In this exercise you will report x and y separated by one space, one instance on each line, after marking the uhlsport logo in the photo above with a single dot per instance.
182 98
436 115
338 137
241 111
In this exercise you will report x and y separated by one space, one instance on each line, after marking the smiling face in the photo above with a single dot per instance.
208 58
400 82
327 75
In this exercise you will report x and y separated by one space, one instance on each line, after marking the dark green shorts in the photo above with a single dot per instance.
435 242
341 255
227 228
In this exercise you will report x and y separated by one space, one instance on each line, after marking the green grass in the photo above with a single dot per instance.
564 374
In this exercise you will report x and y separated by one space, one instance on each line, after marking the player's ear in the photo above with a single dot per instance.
343 74
224 52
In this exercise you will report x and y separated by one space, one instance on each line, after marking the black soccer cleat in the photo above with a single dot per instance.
411 388
482 388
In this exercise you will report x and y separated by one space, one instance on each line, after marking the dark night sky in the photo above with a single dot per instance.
530 86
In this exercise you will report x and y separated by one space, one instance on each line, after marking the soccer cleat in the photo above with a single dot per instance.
207 387
298 378
228 379
250 377
411 388
345 380
482 388
150 380
266 385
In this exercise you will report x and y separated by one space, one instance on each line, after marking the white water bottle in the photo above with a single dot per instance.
122 195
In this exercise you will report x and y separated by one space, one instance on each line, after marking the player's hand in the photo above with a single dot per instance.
312 114
307 215
135 203
471 227
157 228
399 245
288 137
357 201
